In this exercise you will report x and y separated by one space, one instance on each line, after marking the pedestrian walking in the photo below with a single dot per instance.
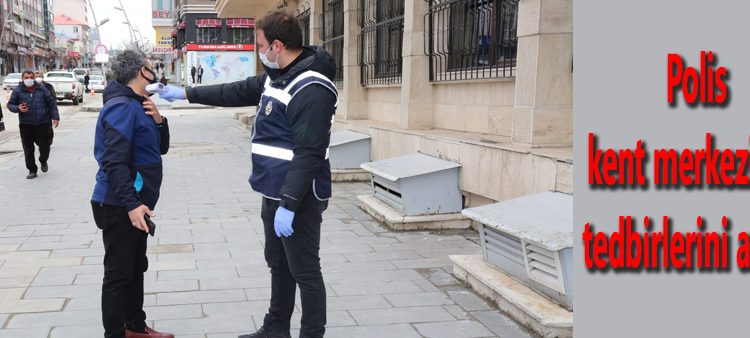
36 109
86 79
290 139
200 74
129 140
192 73
39 78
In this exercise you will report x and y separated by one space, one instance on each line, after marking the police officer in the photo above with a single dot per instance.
291 133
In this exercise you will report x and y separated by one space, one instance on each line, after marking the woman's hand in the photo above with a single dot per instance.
151 110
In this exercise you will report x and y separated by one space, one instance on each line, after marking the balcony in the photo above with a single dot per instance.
243 8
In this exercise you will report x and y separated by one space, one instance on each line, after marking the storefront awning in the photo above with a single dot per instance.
240 23
204 23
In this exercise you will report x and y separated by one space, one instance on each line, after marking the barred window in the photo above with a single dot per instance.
304 22
333 35
472 39
380 41
208 35
241 35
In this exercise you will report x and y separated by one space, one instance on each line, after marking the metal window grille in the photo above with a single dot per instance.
471 39
332 35
208 35
380 41
241 35
304 23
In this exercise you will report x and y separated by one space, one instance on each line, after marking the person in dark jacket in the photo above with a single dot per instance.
39 78
296 99
37 109
200 74
86 79
129 140
192 73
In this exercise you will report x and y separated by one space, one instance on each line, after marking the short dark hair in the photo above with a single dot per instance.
28 71
282 26
127 65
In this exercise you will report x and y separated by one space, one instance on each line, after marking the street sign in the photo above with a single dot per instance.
101 58
98 48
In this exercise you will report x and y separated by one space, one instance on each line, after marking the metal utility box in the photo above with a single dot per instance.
531 239
349 149
417 184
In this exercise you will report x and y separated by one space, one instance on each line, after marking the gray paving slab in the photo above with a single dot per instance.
453 329
77 331
401 315
418 299
16 333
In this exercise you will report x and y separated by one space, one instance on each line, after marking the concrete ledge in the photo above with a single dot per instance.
350 175
517 300
396 221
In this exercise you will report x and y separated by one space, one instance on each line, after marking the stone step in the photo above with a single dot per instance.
540 314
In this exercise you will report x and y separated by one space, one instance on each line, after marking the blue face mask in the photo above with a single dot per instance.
266 61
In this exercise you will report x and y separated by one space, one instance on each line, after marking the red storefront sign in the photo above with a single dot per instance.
204 23
161 14
219 47
240 23
74 55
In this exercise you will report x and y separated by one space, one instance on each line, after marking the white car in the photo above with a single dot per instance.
80 73
97 83
66 86
11 81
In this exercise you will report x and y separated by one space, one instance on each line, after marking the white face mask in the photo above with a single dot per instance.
266 61
28 82
39 80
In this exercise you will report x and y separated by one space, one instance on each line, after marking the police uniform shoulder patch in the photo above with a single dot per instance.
269 108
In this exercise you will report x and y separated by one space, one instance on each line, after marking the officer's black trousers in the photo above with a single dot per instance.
295 260
125 262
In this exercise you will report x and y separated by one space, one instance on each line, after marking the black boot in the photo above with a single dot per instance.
44 167
32 174
265 332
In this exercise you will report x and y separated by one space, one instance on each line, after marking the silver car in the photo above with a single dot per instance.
11 81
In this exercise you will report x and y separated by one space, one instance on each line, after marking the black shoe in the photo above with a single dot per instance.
32 174
45 167
264 332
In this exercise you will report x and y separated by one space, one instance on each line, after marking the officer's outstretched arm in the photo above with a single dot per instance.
235 94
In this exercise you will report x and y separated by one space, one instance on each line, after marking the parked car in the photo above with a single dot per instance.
80 73
97 83
67 87
11 81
